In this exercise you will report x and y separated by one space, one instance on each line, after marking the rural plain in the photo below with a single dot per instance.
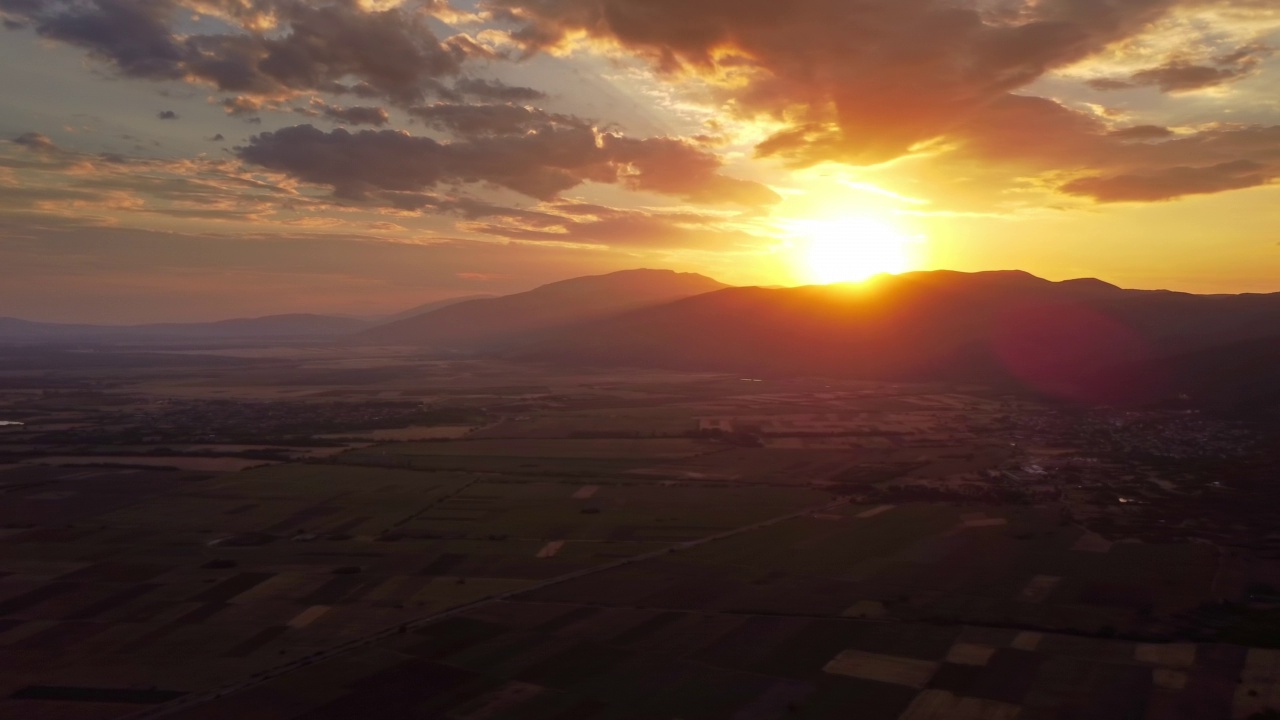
305 532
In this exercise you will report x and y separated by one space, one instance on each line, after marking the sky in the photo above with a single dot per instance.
181 160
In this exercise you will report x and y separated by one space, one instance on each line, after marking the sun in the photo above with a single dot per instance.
850 249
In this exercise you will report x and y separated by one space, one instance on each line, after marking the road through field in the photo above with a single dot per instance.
194 699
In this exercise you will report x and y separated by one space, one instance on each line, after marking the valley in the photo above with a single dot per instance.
479 538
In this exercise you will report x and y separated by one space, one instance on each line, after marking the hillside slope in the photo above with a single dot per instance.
1059 337
514 319
425 308
271 326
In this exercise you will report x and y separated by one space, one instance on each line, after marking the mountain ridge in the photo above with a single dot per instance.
1061 337
514 319
283 325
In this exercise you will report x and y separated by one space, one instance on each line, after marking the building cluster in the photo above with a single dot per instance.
1141 435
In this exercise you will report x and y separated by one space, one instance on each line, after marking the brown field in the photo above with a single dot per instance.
882 668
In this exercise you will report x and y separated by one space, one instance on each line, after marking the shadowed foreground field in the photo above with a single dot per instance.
647 546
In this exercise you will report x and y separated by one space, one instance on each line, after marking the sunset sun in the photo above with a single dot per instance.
851 249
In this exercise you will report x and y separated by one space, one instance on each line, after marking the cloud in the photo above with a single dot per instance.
1081 156
579 223
936 82
241 106
674 167
1183 76
272 47
861 82
541 163
495 90
353 115
1141 132
99 188
1173 182
35 141
507 119
868 82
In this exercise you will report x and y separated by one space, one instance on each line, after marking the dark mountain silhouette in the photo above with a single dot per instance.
520 318
271 326
1082 339
429 307
17 329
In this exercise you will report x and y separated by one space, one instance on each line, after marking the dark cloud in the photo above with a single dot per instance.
391 53
1109 84
864 82
35 141
167 115
496 90
59 182
507 119
241 106
541 163
1031 136
1174 182
1142 132
1182 76
1179 77
133 35
674 167
354 115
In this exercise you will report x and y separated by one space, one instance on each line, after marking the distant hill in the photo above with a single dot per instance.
429 307
271 326
516 319
1065 338
17 329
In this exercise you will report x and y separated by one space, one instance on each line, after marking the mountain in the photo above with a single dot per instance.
1078 338
1240 377
515 319
429 307
17 329
271 326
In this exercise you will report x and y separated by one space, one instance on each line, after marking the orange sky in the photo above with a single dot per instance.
199 159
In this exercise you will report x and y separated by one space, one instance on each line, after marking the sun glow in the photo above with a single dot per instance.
850 249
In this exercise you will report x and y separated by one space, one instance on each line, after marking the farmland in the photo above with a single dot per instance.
460 539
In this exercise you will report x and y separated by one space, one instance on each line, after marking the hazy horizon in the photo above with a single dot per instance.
380 313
